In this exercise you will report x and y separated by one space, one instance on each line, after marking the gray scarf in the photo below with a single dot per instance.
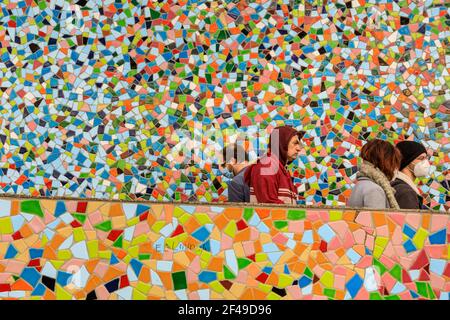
376 175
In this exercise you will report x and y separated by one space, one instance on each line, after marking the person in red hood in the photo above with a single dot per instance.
268 178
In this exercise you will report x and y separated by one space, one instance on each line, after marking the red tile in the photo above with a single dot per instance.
114 234
81 207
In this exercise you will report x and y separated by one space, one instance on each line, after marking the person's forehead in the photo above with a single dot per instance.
294 139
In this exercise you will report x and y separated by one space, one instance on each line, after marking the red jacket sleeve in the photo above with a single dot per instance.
265 186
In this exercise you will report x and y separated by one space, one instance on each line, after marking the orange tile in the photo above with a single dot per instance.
259 295
26 231
144 276
120 253
115 210
317 289
278 214
91 264
193 286
21 285
262 213
15 207
247 295
145 248
340 295
178 267
426 221
111 274
379 218
93 283
233 213
80 295
191 225
216 264
166 279
258 247
349 215
49 253
151 219
56 241
272 279
243 235
49 295
340 252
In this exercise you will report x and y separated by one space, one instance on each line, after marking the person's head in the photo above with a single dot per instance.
233 155
382 155
414 158
285 143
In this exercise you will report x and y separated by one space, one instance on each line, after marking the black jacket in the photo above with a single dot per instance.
406 197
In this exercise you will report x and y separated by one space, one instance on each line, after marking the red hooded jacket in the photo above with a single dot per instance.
269 180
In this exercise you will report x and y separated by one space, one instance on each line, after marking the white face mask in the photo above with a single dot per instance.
422 168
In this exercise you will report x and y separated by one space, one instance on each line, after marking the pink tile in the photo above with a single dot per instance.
102 293
365 262
226 243
254 234
348 240
294 292
4 277
312 215
411 286
437 282
388 281
369 242
167 255
48 217
340 227
368 230
15 267
318 270
37 225
324 216
389 251
121 266
95 217
364 218
242 277
192 277
319 298
397 236
6 238
438 222
249 248
360 236
387 262
334 244
406 295
141 228
447 287
362 294
398 218
332 256
73 265
339 282
340 270
102 235
101 269
413 219
406 262
71 206
383 231
437 251
296 226
194 296
195 265
280 238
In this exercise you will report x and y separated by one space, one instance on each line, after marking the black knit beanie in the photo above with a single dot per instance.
409 150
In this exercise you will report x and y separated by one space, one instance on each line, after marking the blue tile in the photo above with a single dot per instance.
63 278
141 209
438 237
206 246
326 233
39 290
304 282
31 275
136 265
354 285
286 269
11 252
113 259
267 270
409 246
60 208
36 253
207 276
201 234
410 232
413 294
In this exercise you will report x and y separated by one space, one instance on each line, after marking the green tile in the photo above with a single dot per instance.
296 214
228 274
329 292
243 262
375 296
119 242
280 224
104 226
394 297
179 280
422 289
396 272
248 213
308 273
381 268
431 292
31 207
80 217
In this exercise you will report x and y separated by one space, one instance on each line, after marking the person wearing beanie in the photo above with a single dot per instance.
373 189
269 179
414 164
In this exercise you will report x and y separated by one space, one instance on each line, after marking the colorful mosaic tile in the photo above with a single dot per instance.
190 252
96 99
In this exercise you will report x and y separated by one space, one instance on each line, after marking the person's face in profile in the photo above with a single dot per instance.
294 149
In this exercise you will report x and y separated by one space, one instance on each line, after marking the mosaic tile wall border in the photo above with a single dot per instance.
56 249
96 99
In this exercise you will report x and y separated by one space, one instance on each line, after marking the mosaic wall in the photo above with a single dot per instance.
96 96
52 249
